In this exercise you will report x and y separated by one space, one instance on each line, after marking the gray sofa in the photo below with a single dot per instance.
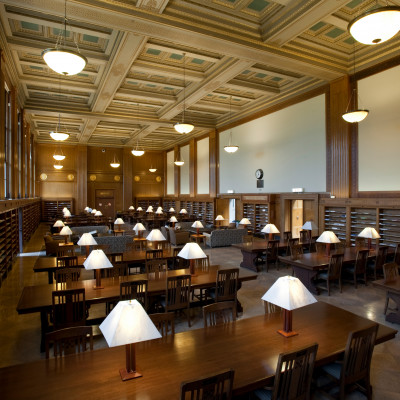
178 237
224 237
116 243
78 231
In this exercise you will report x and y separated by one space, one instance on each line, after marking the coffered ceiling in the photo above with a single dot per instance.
240 57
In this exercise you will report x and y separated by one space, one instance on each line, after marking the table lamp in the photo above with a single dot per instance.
87 240
197 225
58 224
67 213
183 211
172 210
94 211
219 218
139 228
118 222
192 251
139 209
98 213
159 210
270 229
86 209
131 208
66 231
149 209
244 222
97 260
173 220
155 236
369 233
288 293
128 324
328 237
309 226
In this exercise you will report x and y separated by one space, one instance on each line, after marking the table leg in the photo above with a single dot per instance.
44 326
249 260
50 276
394 317
306 277
239 307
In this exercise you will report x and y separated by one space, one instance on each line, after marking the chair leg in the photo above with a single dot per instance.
340 285
386 303
329 287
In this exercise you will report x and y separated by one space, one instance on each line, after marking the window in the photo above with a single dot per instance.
8 145
19 144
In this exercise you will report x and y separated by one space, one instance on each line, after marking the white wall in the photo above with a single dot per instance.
185 189
170 173
379 133
289 145
203 166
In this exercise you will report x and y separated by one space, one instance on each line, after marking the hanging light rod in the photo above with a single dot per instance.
375 26
179 160
57 135
62 60
137 152
58 155
230 148
184 127
115 163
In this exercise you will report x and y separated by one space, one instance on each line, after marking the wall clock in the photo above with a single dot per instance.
259 173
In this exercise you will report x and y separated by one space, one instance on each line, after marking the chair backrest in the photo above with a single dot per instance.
164 322
66 250
69 308
134 290
202 264
358 354
290 243
217 387
67 261
335 266
293 374
360 265
118 269
177 294
115 257
153 253
287 235
227 285
219 313
304 236
270 308
176 251
63 275
296 250
272 249
340 247
397 254
320 247
69 340
390 271
156 265
381 257
359 241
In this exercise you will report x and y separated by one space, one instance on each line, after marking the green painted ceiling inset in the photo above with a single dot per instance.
276 78
84 75
318 26
354 3
154 52
38 68
57 32
30 26
232 1
258 5
245 72
150 85
176 56
168 88
335 32
90 38
350 40
260 75
197 61
132 83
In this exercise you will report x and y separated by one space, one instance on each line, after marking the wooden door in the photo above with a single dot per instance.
105 202
297 217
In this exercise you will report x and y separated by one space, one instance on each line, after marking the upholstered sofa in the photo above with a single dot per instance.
116 243
51 245
78 231
224 237
178 237
187 226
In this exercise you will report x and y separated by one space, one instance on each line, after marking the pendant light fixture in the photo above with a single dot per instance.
376 25
230 148
179 160
115 163
58 154
152 169
354 114
62 60
137 152
184 127
58 166
57 135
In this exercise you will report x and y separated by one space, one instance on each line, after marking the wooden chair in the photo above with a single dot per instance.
69 340
293 376
340 247
68 308
304 236
67 261
153 253
359 242
355 367
219 313
63 275
226 285
177 294
359 267
271 254
377 267
118 269
115 257
68 250
270 308
390 273
290 243
397 254
320 248
333 273
164 322
156 266
134 290
203 265
218 387
296 250
287 235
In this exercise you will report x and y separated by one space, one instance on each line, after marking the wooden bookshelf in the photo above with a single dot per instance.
335 221
52 209
30 220
9 242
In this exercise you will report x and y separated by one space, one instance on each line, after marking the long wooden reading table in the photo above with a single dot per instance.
393 289
249 346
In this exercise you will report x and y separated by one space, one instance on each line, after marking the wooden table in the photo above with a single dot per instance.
49 264
39 298
249 346
393 289
306 266
198 237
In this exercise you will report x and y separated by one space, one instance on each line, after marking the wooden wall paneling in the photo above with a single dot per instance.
127 174
2 125
213 157
177 173
25 189
31 168
14 144
81 187
192 168
339 140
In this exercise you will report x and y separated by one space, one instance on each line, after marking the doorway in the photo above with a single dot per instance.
232 210
105 202
296 217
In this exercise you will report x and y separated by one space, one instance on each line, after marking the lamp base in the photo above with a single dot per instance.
125 375
287 334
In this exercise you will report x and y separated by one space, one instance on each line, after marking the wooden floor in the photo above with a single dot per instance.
20 335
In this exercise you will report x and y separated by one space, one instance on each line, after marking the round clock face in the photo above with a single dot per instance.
259 174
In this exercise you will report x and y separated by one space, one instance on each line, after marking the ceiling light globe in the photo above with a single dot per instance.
183 127
137 153
58 157
355 116
58 166
152 169
179 163
64 62
115 165
59 136
376 26
231 148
